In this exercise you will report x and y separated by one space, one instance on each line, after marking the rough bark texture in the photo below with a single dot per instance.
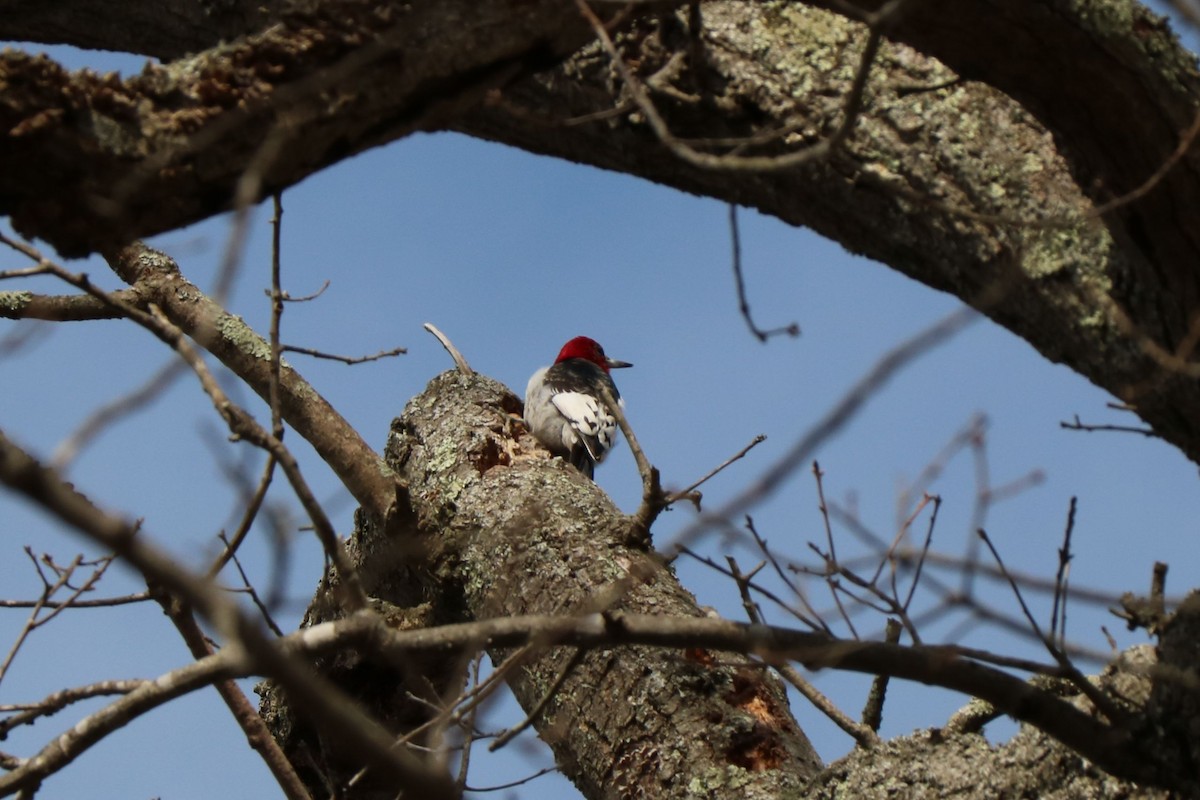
91 162
1102 94
961 187
502 530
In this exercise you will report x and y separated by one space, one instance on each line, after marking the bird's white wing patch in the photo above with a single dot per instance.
589 419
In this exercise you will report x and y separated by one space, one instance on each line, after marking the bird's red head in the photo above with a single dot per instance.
589 350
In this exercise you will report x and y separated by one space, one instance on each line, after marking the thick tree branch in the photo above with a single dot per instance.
157 280
171 145
950 182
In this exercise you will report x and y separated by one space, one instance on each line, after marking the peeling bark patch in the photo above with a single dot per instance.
757 747
634 769
757 750
489 455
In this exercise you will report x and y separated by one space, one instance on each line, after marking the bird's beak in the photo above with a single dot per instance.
614 364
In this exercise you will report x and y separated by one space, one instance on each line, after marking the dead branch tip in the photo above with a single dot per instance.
459 361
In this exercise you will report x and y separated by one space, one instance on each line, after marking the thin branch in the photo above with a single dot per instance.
244 426
328 707
872 716
819 622
468 728
924 554
52 704
1102 702
306 298
72 743
395 351
244 713
1058 611
249 587
1077 425
64 575
459 361
690 492
867 386
249 514
743 304
103 602
753 612
247 354
862 734
511 784
550 693
760 589
824 509
654 499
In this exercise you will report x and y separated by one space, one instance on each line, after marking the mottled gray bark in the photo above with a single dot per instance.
963 188
501 530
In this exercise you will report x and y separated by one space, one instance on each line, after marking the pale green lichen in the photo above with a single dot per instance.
1051 251
12 302
234 329
719 781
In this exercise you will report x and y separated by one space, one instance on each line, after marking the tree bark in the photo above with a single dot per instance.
967 189
500 530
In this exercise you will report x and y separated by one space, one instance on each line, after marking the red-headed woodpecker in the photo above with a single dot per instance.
564 407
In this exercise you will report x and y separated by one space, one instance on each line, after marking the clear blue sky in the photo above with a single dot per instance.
511 254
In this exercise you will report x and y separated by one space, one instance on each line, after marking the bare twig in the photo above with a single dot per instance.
743 304
246 354
654 499
753 612
811 613
511 784
243 425
552 690
864 735
103 602
690 492
253 725
268 620
763 591
1102 702
62 580
867 386
305 298
872 715
395 351
824 509
276 317
249 514
1058 611
52 704
468 729
327 706
924 554
459 361
1077 425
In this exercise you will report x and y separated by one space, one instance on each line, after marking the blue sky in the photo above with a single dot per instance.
511 254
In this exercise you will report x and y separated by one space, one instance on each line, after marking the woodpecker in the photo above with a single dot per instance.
564 408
